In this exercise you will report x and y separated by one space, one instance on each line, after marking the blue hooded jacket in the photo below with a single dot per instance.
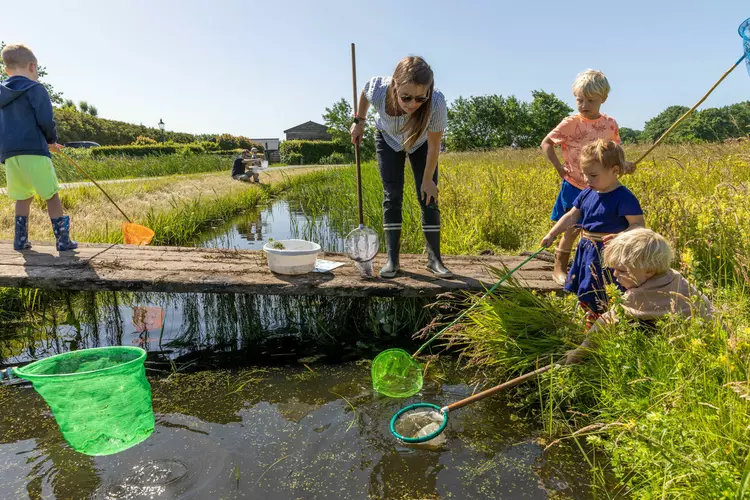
27 122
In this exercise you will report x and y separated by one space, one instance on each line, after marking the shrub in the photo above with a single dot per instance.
311 151
334 159
144 141
229 141
291 158
147 150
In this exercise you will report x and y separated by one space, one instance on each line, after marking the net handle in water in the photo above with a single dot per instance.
422 439
494 390
508 275
459 404
690 111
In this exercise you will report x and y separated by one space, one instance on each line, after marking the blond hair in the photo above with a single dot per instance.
591 84
639 248
608 153
17 55
414 70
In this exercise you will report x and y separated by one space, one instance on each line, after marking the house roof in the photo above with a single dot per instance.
310 122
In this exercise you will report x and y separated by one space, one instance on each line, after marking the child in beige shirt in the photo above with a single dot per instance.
641 262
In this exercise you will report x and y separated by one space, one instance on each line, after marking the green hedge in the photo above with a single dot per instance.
159 149
311 152
72 125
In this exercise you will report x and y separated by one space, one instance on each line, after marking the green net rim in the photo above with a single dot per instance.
423 438
404 394
21 372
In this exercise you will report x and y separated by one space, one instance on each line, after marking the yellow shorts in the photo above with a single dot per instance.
30 174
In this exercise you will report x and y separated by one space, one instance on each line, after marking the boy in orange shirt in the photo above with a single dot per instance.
591 90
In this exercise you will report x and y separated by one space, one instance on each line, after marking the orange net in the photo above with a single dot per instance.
135 234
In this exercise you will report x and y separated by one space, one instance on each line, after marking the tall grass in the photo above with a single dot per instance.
697 196
666 410
122 167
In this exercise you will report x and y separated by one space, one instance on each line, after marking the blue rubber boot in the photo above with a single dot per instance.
61 228
21 238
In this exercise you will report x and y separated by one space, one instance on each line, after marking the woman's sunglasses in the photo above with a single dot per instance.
408 98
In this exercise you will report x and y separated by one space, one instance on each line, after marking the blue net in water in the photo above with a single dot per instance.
745 34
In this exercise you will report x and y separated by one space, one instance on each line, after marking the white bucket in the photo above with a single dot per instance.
297 256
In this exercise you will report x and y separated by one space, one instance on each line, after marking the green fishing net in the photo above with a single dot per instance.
100 397
395 373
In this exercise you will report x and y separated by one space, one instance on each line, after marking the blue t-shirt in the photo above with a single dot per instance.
606 212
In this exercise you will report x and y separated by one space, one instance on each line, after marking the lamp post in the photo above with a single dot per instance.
161 127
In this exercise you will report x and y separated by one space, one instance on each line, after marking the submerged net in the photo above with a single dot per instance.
745 34
395 373
100 397
420 423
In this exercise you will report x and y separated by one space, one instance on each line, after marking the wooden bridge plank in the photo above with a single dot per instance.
178 269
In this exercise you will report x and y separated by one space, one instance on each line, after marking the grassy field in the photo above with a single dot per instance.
667 411
120 167
176 208
696 196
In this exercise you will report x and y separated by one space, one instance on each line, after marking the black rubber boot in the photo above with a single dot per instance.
393 246
434 262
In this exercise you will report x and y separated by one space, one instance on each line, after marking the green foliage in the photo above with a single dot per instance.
228 141
708 125
546 111
144 141
630 136
312 152
669 407
147 150
493 121
55 97
515 330
338 118
74 125
292 158
335 159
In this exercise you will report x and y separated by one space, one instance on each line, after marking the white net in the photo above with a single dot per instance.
365 269
362 244
420 423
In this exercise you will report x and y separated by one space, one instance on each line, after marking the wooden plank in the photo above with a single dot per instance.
179 269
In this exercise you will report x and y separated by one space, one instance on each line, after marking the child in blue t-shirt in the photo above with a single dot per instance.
603 209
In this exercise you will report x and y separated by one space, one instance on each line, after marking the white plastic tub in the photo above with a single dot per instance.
297 257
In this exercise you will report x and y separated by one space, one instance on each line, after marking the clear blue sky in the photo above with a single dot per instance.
256 68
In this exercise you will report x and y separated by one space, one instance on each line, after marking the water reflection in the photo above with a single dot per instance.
281 220
287 433
253 326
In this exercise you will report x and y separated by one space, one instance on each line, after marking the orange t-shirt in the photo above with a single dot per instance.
573 133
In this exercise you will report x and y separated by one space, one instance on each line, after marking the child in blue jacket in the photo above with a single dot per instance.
27 135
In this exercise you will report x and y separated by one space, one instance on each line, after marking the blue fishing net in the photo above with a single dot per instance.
745 34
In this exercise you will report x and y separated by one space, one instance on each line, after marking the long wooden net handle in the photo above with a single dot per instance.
690 111
95 184
498 388
356 145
